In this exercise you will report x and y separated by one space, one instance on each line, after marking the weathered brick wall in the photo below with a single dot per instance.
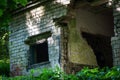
64 48
32 22
115 41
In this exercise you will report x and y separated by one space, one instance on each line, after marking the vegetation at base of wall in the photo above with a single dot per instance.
57 74
99 74
4 67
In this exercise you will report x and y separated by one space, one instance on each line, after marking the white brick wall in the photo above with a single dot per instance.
115 41
30 23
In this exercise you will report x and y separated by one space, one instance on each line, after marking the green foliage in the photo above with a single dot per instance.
1 12
44 74
6 6
99 74
57 74
49 74
0 77
4 67
3 44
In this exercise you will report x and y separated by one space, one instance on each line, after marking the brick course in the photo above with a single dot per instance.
32 22
115 41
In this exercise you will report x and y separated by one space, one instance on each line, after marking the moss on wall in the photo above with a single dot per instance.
79 50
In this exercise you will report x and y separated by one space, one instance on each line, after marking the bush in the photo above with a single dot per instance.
99 74
85 74
4 67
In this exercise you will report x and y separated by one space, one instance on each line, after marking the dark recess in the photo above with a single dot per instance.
101 47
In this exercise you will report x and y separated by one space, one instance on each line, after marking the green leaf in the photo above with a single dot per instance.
16 1
1 12
23 2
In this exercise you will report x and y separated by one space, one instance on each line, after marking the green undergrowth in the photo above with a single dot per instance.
99 74
4 67
57 74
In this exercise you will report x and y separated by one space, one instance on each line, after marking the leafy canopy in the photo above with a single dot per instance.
6 6
10 4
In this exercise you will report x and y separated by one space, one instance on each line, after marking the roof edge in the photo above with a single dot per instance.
30 4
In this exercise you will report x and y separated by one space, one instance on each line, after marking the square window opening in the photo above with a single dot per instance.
39 53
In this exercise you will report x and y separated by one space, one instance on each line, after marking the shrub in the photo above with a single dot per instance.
85 74
49 74
99 74
4 67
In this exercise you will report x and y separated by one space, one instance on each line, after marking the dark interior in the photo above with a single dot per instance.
42 52
101 46
39 53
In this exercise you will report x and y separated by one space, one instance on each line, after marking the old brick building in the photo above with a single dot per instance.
66 33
